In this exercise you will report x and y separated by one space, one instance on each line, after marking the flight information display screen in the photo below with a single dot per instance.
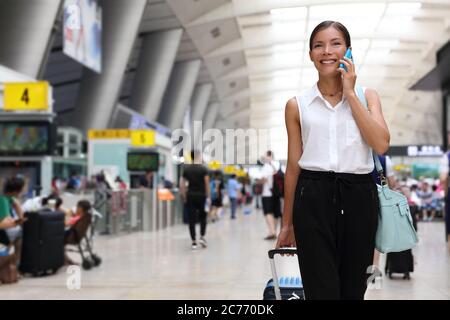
142 161
25 138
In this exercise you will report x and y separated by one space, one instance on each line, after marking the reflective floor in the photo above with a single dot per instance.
161 265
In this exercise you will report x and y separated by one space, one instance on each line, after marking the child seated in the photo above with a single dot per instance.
83 208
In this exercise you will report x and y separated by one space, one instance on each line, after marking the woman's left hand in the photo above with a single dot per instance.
348 77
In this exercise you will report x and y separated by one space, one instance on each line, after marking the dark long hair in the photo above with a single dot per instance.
326 24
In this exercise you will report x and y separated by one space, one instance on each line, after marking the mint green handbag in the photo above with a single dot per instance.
395 231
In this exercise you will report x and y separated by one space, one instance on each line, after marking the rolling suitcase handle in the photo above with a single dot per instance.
271 254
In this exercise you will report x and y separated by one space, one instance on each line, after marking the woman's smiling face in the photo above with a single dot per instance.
328 47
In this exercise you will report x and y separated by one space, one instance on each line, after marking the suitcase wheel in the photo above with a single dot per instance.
86 264
96 260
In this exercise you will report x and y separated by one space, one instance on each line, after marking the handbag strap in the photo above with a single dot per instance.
376 160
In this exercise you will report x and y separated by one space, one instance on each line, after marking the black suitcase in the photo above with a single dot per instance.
285 288
399 262
43 242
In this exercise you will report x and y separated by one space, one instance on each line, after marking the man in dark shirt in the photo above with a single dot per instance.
198 192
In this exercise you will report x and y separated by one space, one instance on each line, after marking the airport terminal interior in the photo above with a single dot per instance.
144 148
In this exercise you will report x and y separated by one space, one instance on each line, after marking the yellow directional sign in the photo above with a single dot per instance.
26 96
229 170
214 165
142 138
241 173
109 134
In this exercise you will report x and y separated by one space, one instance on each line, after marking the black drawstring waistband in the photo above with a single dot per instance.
339 181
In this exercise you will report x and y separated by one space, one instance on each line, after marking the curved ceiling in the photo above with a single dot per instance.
257 54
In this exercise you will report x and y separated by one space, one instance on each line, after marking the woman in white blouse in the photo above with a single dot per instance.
331 202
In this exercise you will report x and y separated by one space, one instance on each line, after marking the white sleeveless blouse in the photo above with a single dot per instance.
331 139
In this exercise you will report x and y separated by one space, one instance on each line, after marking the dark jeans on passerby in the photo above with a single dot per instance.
233 204
196 212
335 218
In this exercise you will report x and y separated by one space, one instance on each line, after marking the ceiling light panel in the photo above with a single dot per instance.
330 12
291 29
284 14
403 8
355 25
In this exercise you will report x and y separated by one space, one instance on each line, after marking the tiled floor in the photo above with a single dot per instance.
161 265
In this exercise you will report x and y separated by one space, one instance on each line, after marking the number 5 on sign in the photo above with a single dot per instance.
26 96
143 138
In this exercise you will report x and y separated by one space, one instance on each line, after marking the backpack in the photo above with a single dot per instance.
278 184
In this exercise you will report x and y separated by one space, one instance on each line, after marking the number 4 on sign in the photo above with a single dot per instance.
25 97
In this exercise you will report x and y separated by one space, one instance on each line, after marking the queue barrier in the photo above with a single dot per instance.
137 210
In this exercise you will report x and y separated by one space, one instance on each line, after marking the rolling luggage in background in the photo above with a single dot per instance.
43 242
283 288
399 262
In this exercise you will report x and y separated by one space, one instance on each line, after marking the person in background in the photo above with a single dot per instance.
216 187
257 191
146 181
444 171
121 185
74 182
246 194
56 185
426 196
83 207
436 202
10 207
197 193
271 208
232 191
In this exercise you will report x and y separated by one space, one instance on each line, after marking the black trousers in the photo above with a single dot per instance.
196 212
335 220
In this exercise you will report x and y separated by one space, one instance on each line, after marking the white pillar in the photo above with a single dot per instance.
156 60
179 93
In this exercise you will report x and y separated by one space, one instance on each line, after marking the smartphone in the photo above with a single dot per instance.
348 54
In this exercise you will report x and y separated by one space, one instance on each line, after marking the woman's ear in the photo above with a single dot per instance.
310 56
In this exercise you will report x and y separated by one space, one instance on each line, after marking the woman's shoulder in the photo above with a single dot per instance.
292 106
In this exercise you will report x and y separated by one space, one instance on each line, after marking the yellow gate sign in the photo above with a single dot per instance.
142 138
109 134
25 96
